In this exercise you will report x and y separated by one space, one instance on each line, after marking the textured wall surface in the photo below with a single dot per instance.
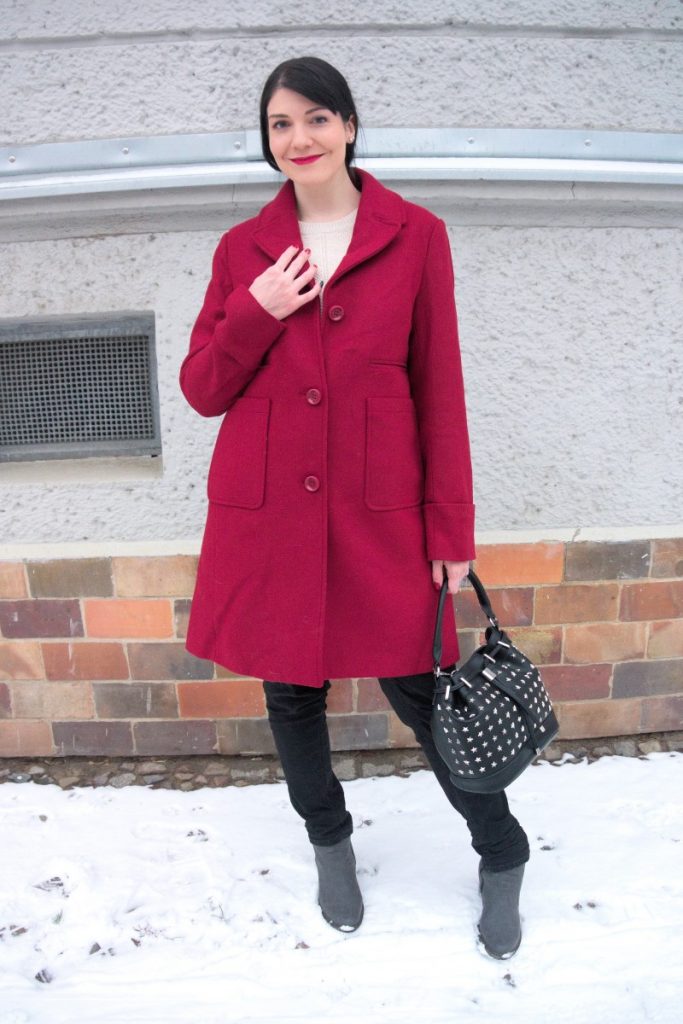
95 69
571 333
571 343
408 79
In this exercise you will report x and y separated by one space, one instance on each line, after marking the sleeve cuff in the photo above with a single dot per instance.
449 531
248 330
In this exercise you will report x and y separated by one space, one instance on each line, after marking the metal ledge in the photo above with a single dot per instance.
158 163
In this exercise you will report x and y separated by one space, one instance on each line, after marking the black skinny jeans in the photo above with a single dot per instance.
297 717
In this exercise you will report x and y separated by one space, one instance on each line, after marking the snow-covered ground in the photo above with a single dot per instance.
160 906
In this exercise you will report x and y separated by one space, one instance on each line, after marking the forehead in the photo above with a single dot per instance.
286 100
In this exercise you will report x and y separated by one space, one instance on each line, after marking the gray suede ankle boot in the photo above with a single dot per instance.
500 928
339 894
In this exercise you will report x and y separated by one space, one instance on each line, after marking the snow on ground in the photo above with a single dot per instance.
161 906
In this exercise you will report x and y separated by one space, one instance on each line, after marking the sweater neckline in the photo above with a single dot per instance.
329 225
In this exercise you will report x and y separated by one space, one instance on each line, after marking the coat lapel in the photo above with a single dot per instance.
378 220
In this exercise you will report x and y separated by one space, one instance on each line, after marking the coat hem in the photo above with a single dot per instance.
450 656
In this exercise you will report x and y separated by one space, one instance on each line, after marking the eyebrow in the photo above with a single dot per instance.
309 111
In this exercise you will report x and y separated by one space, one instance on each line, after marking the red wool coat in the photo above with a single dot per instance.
342 462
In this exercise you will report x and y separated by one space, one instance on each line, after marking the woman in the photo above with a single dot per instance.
340 486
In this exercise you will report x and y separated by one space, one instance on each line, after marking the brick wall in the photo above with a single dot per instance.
93 661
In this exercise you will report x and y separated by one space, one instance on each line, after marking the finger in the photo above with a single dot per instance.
306 274
285 256
298 262
307 296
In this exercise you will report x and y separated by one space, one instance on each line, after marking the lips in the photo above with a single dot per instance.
306 159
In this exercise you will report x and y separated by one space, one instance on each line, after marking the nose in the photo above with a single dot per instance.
301 138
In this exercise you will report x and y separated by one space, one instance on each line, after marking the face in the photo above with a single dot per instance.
299 128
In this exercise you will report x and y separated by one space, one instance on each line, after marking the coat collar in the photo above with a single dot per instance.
378 220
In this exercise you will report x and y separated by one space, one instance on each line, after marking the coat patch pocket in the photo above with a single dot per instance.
237 473
394 476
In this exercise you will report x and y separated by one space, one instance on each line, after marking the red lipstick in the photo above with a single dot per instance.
306 159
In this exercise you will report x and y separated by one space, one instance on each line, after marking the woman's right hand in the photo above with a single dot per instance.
278 287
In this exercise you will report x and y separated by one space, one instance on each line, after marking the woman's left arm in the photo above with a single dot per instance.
438 392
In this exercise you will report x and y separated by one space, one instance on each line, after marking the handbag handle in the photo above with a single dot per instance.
483 601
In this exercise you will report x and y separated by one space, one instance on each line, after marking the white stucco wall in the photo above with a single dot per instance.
571 324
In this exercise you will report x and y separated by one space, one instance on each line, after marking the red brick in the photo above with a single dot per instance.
225 673
607 560
535 562
70 577
340 696
155 576
468 641
12 580
591 718
135 700
37 618
667 556
221 699
542 646
358 732
181 615
5 703
85 660
52 700
604 641
245 736
576 682
662 714
23 738
181 738
636 678
512 606
666 639
400 735
652 600
128 618
370 696
21 659
93 738
576 602
166 661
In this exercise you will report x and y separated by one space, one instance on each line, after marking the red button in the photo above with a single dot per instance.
336 312
313 396
311 483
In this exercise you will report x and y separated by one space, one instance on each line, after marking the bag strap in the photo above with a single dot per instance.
483 601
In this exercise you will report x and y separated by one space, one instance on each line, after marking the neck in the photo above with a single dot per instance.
328 200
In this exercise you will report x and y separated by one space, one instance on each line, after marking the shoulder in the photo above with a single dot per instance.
416 219
421 221
420 216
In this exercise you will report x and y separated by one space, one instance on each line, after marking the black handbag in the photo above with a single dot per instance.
491 716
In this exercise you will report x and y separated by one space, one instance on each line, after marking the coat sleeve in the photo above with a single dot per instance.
438 392
228 341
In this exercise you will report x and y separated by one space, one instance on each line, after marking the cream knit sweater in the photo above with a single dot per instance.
328 241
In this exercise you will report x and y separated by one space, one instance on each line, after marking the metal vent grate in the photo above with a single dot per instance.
78 387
